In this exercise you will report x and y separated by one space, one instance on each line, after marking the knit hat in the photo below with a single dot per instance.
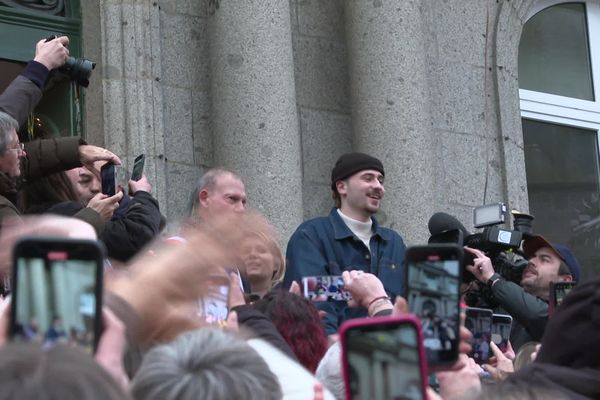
351 163
534 243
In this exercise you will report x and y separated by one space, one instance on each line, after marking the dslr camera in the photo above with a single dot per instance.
78 70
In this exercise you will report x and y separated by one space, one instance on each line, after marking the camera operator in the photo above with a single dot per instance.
527 303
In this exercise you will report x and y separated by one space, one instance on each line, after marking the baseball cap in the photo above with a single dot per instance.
534 243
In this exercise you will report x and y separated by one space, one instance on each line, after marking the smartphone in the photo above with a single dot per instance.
138 167
433 276
501 326
57 292
108 173
325 288
479 322
558 292
213 307
383 358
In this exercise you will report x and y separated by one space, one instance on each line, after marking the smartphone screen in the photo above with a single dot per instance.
383 358
558 292
433 294
501 326
479 322
57 292
325 288
213 307
138 167
108 174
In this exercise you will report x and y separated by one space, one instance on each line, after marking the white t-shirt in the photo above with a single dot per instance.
362 230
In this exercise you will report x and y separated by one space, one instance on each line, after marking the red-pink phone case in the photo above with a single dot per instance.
408 319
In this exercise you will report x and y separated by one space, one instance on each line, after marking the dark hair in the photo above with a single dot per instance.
337 200
60 373
563 269
298 321
39 195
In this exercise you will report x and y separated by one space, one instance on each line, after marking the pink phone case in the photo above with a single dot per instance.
384 322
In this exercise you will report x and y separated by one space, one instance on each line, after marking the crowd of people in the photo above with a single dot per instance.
271 342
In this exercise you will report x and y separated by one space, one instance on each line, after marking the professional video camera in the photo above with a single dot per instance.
76 69
501 245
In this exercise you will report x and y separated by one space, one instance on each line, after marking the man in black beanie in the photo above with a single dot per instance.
349 238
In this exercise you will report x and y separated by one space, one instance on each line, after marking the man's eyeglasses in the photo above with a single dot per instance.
18 147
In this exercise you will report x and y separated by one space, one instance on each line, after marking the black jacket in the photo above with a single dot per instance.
529 312
135 225
568 361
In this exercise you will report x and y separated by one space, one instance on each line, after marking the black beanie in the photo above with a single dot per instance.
351 163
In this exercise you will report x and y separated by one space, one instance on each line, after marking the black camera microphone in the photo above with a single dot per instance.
441 222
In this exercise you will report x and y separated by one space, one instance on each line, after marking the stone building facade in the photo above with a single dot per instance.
276 90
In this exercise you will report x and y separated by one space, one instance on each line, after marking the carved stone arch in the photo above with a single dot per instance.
511 18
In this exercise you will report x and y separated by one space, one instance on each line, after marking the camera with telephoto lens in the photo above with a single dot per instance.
78 70
500 244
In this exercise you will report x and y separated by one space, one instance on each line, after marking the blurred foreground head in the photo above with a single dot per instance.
61 373
163 285
207 364
43 225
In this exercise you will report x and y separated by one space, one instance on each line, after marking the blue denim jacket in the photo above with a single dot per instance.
326 246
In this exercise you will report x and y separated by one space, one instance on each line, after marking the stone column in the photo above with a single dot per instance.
133 103
389 100
254 116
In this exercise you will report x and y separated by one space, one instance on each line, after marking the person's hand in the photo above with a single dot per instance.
400 307
295 289
52 54
89 154
363 287
105 205
499 366
462 383
140 186
13 229
111 348
482 267
236 294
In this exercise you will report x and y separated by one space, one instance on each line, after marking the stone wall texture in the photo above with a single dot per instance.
277 90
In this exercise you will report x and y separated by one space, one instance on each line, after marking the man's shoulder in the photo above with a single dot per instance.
313 225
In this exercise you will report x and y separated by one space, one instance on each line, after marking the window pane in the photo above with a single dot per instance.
553 52
562 181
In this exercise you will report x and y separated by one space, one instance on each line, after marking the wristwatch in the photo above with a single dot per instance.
493 279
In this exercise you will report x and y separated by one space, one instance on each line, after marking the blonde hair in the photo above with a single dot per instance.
273 245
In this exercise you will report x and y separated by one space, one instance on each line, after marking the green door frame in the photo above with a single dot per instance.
22 28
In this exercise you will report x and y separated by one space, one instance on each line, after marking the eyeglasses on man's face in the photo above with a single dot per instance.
18 147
